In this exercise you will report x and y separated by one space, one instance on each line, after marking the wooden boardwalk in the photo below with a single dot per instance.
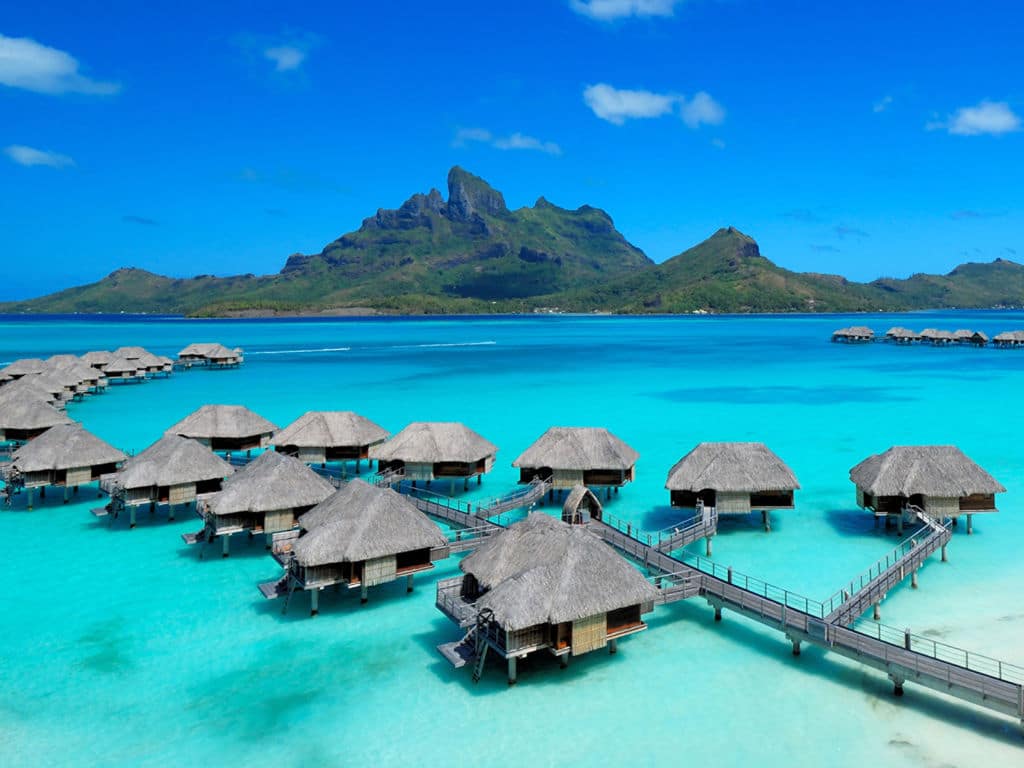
833 624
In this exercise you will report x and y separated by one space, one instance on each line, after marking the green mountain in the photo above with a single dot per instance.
472 254
468 254
727 273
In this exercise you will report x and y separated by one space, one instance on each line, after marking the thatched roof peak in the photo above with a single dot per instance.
173 460
224 421
29 413
29 388
65 446
428 442
931 470
578 448
62 360
1009 336
542 570
271 482
24 367
131 353
360 522
121 365
735 467
329 429
98 357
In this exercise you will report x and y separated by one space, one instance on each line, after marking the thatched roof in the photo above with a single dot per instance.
361 522
24 367
31 388
931 470
856 331
225 421
98 357
272 482
731 467
965 333
576 497
198 349
45 382
220 352
66 376
173 460
131 353
899 332
122 365
65 446
83 371
330 429
149 360
428 442
29 413
1010 336
541 570
935 334
63 360
578 448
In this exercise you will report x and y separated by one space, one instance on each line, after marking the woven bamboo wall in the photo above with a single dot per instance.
939 506
732 503
566 478
589 634
379 570
278 520
312 455
181 494
79 476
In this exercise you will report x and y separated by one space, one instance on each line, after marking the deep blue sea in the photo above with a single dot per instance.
122 648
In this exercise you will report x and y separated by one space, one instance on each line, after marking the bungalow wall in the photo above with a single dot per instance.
940 506
732 502
589 634
978 502
278 520
379 570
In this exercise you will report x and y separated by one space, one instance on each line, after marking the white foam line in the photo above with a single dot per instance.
298 351
455 344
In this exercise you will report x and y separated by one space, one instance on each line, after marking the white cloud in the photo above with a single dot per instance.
991 117
701 110
516 140
616 106
285 57
718 143
609 10
30 156
24 63
882 104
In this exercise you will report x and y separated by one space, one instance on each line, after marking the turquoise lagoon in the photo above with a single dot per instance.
121 647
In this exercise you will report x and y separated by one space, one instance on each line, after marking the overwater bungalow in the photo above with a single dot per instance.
362 536
857 334
1009 340
90 379
25 366
64 455
121 370
36 388
936 337
429 450
571 456
317 437
174 471
63 360
901 335
581 506
54 387
972 338
98 359
542 585
734 479
152 365
226 428
266 496
938 479
222 357
25 417
71 381
210 353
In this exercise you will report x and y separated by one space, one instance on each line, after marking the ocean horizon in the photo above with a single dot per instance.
123 647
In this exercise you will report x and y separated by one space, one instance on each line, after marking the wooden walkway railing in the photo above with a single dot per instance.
903 656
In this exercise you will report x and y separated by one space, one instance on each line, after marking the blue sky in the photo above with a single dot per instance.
856 138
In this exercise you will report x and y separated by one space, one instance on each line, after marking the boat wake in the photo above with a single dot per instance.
297 351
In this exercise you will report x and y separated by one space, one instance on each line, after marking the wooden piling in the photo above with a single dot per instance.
225 546
511 670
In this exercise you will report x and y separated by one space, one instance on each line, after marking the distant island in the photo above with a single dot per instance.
471 254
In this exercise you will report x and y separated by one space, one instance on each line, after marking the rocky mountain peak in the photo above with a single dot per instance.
469 194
